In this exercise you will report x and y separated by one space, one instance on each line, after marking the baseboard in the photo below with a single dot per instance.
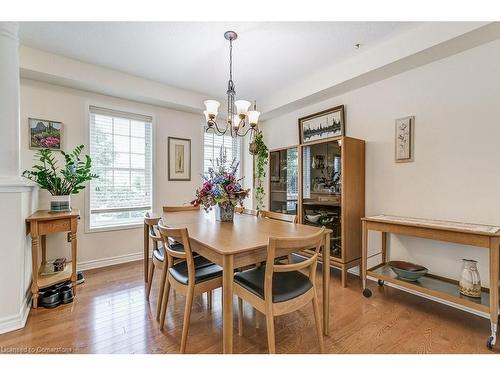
18 321
111 261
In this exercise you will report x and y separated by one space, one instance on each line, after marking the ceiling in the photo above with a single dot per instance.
267 57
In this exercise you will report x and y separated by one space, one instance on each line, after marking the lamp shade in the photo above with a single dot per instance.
236 120
206 115
253 117
212 107
242 107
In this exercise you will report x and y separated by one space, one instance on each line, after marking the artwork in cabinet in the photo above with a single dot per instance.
404 142
275 166
322 125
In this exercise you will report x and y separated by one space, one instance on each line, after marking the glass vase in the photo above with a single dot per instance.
470 281
224 213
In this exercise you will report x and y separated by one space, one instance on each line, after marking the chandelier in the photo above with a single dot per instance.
240 120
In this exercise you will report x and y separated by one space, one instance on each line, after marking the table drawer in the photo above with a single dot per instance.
52 226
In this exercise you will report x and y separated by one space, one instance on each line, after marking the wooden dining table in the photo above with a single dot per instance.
237 244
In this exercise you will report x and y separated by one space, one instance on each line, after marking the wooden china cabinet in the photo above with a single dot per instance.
323 182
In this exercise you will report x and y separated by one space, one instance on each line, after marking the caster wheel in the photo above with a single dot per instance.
489 342
367 293
381 282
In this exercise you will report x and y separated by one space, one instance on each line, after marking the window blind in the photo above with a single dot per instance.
121 151
211 149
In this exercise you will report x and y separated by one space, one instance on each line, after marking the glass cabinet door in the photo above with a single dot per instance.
321 189
284 180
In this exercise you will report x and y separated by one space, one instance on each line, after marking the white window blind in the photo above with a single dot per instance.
121 151
212 145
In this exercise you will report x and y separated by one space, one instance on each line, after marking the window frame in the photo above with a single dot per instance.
202 157
119 108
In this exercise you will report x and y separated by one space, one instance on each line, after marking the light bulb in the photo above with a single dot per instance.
212 107
253 117
242 107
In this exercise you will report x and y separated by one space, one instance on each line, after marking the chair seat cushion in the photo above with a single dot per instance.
160 252
204 270
286 285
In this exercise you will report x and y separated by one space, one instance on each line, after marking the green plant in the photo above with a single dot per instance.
260 173
61 181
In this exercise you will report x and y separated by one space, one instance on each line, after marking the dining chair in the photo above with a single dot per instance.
279 216
288 218
158 256
191 276
278 289
247 211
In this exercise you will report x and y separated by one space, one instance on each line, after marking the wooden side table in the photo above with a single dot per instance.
38 226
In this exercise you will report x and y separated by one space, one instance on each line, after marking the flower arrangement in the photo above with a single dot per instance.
221 187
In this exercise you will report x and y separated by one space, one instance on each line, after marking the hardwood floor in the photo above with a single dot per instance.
111 315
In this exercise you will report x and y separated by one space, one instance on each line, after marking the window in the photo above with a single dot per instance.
121 151
211 149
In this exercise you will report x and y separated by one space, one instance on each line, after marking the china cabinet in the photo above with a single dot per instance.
284 180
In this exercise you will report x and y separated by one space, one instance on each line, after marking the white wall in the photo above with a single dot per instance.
70 106
455 175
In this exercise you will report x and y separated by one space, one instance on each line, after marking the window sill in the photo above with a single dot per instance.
114 228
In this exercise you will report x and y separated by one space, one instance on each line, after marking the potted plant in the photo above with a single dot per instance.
61 183
221 189
259 149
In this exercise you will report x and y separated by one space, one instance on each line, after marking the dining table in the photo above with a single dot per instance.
238 244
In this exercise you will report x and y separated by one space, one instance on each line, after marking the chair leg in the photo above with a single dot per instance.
290 260
162 288
317 320
150 280
270 332
164 303
187 316
240 317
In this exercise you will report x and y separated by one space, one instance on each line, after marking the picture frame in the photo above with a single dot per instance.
404 139
45 134
179 159
322 125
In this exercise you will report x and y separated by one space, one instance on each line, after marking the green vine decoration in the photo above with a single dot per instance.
262 157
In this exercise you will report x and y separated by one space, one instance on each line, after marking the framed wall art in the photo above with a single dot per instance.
179 159
322 125
45 134
404 139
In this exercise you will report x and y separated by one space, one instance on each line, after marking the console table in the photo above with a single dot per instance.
38 226
485 236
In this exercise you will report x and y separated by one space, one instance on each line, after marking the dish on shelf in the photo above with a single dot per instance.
407 271
313 218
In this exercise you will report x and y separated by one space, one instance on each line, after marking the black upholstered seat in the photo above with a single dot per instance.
160 252
286 285
204 270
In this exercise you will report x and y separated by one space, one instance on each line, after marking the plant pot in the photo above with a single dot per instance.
224 213
60 203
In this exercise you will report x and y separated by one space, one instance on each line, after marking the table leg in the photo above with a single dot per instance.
364 254
146 252
326 285
384 247
227 303
73 261
494 276
44 248
34 260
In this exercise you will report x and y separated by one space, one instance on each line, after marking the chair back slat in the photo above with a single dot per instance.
152 223
279 216
314 241
246 211
180 208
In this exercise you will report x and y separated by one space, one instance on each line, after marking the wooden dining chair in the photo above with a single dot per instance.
278 289
279 216
191 276
247 211
288 218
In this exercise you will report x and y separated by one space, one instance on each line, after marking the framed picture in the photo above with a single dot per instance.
45 134
404 140
179 159
322 125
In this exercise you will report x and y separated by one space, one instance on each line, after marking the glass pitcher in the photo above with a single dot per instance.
470 281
